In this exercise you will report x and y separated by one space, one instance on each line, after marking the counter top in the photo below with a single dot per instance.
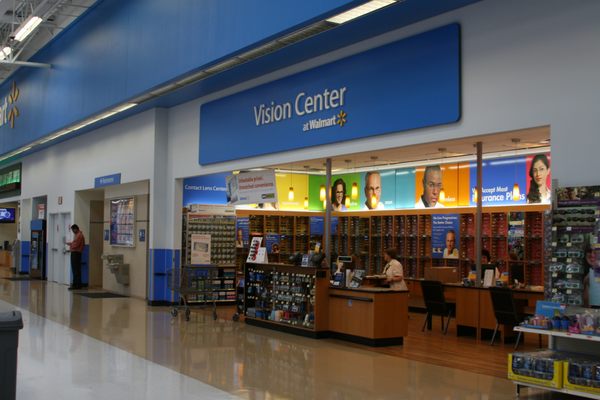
369 289
460 285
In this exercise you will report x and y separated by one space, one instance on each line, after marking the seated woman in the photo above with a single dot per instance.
393 270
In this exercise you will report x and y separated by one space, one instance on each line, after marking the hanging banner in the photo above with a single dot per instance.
205 189
252 188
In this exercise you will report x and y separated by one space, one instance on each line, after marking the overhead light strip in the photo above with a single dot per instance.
361 10
29 26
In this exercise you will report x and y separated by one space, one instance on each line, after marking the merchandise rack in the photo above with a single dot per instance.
568 342
368 233
223 253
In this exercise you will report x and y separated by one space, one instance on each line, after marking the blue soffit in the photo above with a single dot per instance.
391 18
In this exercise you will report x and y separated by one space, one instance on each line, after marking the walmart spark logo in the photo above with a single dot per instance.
341 118
8 108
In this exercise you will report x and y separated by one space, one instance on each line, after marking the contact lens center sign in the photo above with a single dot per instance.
408 84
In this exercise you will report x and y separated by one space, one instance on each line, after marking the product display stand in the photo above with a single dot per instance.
567 342
209 238
286 298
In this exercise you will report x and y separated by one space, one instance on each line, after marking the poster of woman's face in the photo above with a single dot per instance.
539 179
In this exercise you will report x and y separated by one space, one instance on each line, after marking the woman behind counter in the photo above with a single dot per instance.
393 270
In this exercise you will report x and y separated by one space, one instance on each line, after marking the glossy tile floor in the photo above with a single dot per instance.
74 347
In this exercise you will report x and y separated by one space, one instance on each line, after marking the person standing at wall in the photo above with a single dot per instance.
76 248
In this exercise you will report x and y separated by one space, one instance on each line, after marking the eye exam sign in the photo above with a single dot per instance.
415 83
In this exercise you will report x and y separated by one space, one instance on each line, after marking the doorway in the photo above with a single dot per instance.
96 242
58 234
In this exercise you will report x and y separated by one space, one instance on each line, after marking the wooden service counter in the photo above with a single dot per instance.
299 300
5 258
474 310
370 315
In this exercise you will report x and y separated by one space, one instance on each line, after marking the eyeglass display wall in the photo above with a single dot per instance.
575 227
515 239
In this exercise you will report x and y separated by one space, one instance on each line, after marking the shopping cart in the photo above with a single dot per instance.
194 285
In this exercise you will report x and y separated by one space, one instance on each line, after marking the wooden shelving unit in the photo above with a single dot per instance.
368 234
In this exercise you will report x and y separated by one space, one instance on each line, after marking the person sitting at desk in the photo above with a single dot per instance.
393 270
486 258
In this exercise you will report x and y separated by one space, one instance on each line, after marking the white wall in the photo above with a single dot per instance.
136 256
524 64
126 146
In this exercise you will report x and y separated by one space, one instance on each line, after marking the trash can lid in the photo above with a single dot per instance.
11 321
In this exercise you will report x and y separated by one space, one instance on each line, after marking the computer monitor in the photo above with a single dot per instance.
485 267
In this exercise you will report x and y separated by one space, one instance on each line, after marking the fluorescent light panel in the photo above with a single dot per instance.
359 11
28 27
5 53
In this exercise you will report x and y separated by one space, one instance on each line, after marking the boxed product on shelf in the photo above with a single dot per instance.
544 368
582 374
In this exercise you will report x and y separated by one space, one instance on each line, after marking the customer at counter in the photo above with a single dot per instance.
393 270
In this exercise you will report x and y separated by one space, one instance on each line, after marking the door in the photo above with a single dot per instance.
96 242
65 234
54 247
59 268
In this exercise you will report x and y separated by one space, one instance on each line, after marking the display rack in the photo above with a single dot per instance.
565 342
286 297
367 235
574 229
218 224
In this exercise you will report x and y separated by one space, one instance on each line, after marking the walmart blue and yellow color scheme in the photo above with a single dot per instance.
415 83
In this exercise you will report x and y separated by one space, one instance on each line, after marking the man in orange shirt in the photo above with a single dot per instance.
76 249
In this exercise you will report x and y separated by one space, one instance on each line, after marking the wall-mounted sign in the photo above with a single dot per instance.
108 180
8 107
205 189
10 180
415 83
41 211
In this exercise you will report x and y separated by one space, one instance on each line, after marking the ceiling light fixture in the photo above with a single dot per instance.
516 195
26 28
6 51
359 11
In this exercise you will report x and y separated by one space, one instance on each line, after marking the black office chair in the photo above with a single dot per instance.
505 311
433 295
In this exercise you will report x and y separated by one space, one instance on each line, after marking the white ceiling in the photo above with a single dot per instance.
57 15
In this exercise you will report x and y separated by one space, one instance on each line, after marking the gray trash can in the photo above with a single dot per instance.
10 324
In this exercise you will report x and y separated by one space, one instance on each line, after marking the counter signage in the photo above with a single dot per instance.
408 88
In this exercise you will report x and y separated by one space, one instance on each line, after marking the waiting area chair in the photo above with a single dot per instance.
433 296
505 311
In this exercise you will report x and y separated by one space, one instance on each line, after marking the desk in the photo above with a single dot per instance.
372 316
5 258
474 310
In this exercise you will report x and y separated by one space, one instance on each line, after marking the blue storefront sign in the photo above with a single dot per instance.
414 83
108 180
206 189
